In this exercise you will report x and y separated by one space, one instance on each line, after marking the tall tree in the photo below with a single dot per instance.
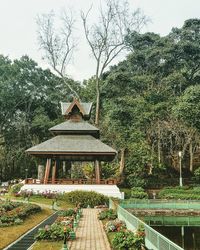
106 36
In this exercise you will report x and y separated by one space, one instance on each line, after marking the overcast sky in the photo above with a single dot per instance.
18 27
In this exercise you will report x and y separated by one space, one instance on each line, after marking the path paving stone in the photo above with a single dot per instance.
90 233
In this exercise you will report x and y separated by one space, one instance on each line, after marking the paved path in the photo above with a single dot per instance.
90 233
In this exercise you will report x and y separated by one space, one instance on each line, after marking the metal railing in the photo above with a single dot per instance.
72 181
161 204
153 239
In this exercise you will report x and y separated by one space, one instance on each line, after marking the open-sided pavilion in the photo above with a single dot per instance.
75 140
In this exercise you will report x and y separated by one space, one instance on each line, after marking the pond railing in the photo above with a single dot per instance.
153 239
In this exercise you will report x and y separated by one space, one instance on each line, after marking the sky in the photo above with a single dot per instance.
18 28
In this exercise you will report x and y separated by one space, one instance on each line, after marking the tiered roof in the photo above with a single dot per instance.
75 138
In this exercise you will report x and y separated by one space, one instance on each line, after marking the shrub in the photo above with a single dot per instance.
15 188
55 232
197 175
183 193
128 240
107 214
138 193
68 212
85 198
15 213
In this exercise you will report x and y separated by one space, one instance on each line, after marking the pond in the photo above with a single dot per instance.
185 236
182 230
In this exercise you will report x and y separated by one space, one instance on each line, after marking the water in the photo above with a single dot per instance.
185 236
182 230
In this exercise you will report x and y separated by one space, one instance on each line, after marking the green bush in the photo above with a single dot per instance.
15 188
138 193
68 212
128 240
55 232
127 192
85 198
183 193
14 213
107 214
197 175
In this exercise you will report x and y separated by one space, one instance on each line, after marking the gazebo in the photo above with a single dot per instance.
75 140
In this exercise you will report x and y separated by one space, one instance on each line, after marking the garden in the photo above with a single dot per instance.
119 236
16 218
14 213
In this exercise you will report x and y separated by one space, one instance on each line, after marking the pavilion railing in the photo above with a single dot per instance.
72 181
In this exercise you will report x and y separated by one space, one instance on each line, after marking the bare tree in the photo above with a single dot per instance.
58 45
106 37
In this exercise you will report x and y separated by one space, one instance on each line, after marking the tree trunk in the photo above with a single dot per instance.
97 102
191 156
97 171
159 145
122 162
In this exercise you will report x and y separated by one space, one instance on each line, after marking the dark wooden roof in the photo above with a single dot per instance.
70 127
74 147
85 108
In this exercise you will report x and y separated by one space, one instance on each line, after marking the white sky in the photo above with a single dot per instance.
18 26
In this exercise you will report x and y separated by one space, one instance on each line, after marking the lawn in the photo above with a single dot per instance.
10 234
41 200
47 245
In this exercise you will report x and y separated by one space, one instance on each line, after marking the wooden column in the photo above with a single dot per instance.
53 173
97 172
47 171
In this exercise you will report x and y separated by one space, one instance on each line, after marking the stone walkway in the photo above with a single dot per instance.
90 233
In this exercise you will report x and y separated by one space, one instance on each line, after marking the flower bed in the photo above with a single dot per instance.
14 213
107 214
67 219
119 236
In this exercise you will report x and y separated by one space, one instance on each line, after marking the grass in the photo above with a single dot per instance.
42 200
39 245
10 234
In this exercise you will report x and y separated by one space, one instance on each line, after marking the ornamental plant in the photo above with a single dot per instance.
109 214
115 225
128 240
54 232
85 198
11 213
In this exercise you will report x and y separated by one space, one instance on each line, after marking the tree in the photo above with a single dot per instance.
106 37
58 46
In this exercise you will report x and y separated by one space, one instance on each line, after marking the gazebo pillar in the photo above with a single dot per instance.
53 173
97 171
47 171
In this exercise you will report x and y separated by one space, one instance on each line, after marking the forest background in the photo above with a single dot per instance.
149 108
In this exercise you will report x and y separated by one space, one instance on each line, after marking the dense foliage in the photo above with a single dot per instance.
149 105
183 193
138 193
149 109
29 105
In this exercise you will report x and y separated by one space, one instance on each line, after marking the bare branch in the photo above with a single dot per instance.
106 38
57 44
